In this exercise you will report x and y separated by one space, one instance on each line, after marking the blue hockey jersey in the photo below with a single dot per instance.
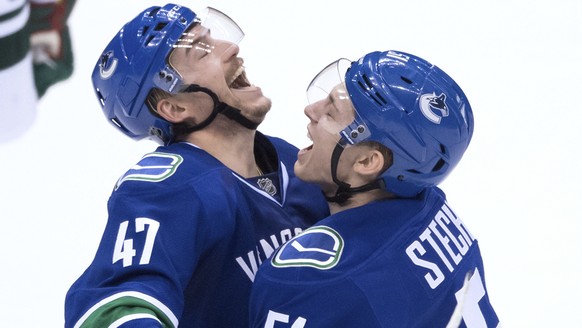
395 263
185 236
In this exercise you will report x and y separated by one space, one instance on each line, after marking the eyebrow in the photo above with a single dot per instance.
191 37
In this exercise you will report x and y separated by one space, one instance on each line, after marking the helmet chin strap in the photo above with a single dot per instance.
219 108
345 190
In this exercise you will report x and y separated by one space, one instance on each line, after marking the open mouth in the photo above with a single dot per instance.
239 79
308 148
305 150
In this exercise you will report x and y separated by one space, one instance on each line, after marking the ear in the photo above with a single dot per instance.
369 163
171 110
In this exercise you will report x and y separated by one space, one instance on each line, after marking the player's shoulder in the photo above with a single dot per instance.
173 166
335 247
280 143
283 147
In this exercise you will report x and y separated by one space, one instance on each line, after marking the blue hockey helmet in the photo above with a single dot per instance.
413 108
136 61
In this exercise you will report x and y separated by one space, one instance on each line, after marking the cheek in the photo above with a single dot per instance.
202 72
326 140
319 162
204 102
207 77
330 126
199 106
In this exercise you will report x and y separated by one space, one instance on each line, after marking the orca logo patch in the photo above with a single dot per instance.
433 107
107 65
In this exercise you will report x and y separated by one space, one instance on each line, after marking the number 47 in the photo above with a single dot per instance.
124 250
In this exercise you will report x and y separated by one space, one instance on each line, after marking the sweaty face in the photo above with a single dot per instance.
327 118
214 64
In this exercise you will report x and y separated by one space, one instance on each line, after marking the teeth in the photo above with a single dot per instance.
238 72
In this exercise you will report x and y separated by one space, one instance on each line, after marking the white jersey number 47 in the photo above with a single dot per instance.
124 250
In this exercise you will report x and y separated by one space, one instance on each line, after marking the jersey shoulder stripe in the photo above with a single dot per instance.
133 304
153 167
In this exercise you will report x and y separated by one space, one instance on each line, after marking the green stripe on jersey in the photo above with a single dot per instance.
14 48
121 307
12 14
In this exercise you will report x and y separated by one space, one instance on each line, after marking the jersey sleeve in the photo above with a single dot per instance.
149 249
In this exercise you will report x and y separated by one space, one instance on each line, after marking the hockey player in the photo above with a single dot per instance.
36 53
386 130
191 222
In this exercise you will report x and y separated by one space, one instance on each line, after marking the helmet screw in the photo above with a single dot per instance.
400 178
361 129
354 134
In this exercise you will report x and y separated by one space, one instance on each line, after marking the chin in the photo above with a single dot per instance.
302 173
258 110
264 105
298 169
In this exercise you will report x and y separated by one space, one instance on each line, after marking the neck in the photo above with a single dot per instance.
232 145
360 199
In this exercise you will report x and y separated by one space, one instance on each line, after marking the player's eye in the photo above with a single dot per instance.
203 48
185 41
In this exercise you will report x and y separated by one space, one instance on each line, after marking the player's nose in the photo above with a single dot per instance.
311 112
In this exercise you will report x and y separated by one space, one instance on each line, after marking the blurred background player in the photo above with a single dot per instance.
190 223
36 54
386 130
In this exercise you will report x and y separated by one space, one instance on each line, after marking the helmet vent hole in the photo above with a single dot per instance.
160 26
100 97
443 149
370 91
149 40
382 100
153 12
439 165
406 80
367 80
116 122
